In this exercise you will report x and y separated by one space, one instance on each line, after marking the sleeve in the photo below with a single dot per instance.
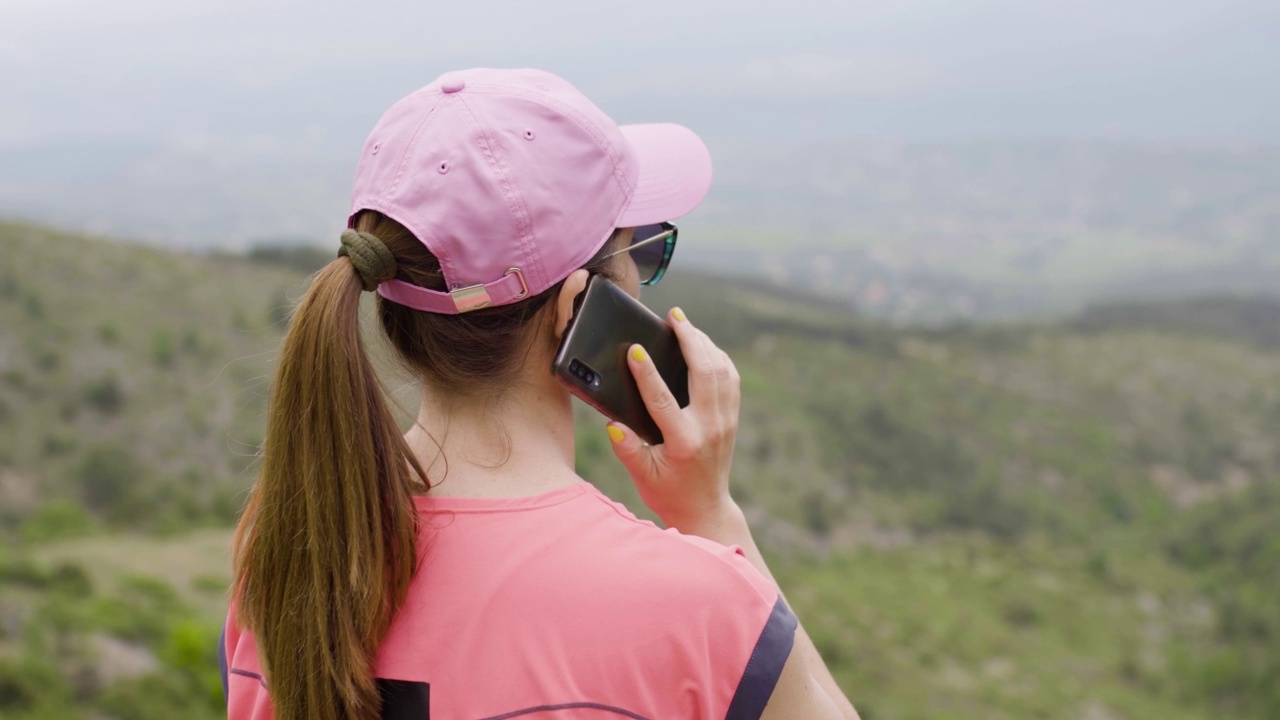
765 664
242 678
750 633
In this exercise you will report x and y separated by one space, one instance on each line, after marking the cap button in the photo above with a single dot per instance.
452 86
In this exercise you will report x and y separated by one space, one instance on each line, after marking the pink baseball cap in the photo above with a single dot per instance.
514 179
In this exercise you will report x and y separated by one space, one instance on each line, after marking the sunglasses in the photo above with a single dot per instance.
651 248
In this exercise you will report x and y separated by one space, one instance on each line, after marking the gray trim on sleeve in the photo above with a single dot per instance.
765 666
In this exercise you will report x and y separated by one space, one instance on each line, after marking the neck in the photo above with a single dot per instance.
522 446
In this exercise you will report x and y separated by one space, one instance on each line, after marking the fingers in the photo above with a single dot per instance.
719 379
657 396
714 388
698 353
730 384
633 452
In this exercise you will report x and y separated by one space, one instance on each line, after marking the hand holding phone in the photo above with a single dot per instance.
685 480
680 394
592 358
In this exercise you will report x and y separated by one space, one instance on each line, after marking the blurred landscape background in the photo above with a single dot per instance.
1001 280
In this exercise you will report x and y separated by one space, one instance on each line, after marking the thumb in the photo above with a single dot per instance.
630 449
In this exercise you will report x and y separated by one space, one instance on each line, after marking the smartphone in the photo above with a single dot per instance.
592 358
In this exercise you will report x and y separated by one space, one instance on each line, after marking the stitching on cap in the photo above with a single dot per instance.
413 144
515 201
583 124
578 119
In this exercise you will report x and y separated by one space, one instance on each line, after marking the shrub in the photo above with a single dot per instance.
187 652
33 305
159 696
57 520
107 477
109 334
982 505
191 341
815 515
48 360
70 579
69 409
878 446
224 504
105 394
143 610
28 684
162 348
1115 504
9 288
210 584
177 503
23 571
1205 448
1020 614
58 442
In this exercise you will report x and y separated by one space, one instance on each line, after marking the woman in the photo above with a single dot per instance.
462 569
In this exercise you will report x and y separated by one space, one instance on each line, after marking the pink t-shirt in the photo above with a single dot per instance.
560 606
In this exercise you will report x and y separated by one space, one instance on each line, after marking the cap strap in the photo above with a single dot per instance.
506 289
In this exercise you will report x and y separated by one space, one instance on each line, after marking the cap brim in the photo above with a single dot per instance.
675 173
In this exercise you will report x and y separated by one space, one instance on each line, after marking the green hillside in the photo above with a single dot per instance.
1074 520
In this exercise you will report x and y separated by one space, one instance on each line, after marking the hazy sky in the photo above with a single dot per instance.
148 69
135 89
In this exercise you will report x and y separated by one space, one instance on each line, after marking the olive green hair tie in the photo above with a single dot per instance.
370 256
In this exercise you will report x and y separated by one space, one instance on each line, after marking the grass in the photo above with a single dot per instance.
1041 520
192 563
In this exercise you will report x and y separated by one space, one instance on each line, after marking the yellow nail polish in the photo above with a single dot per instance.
638 354
615 433
678 314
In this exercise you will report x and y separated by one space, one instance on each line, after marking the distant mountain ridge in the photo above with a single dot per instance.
910 231
999 228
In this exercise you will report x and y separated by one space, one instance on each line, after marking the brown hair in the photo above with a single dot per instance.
327 543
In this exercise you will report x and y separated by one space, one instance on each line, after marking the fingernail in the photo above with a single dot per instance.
615 433
678 314
638 354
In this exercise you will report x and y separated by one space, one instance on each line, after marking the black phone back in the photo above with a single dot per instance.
592 358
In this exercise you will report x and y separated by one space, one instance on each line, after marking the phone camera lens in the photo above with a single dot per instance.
584 373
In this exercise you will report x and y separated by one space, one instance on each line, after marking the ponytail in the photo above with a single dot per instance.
326 546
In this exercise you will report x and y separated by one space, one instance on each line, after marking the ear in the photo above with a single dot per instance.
573 286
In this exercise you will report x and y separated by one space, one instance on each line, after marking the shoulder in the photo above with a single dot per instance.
730 628
686 565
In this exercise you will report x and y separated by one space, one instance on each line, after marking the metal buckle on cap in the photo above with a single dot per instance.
474 297
470 298
524 289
